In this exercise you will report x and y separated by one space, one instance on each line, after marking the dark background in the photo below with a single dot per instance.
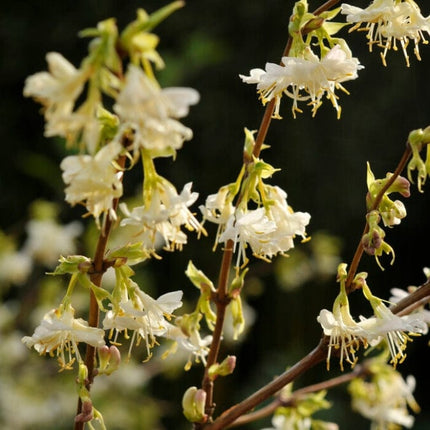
323 160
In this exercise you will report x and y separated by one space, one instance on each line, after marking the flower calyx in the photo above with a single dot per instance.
373 241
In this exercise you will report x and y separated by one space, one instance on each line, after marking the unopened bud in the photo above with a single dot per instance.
223 369
109 359
193 404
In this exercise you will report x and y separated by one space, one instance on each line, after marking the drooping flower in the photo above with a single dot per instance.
143 315
251 228
163 216
192 344
47 240
57 89
395 330
345 334
152 113
305 79
93 180
389 22
60 333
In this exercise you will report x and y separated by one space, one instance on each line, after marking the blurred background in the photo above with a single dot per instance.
206 46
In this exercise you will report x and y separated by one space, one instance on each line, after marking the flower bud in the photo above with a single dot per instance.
109 359
193 404
223 369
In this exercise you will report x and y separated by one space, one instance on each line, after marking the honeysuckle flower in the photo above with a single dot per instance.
388 22
191 344
58 88
60 333
93 180
152 113
47 240
288 223
143 315
305 79
385 397
395 330
82 125
345 334
248 228
217 209
163 216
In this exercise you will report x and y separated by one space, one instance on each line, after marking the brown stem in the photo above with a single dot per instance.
296 395
360 249
221 305
96 279
419 296
229 416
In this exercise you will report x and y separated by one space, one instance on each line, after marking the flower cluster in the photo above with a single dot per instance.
307 78
269 228
389 22
152 113
134 310
60 333
384 328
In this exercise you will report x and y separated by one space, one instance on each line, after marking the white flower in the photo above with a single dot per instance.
345 334
47 240
82 124
217 209
15 267
192 345
59 332
394 329
163 216
143 315
152 112
93 180
248 228
388 22
288 223
57 89
305 79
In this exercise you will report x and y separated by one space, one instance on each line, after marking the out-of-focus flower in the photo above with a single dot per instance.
93 180
305 79
389 22
47 240
57 89
60 332
385 397
152 113
15 267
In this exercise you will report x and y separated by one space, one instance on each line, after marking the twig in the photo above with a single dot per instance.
360 249
229 416
96 279
296 395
